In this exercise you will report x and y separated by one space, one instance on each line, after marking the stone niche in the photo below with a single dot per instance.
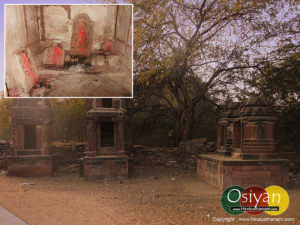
246 151
31 121
81 36
105 156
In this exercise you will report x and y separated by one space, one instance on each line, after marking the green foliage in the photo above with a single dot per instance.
193 55
70 123
5 127
184 58
288 129
69 115
280 84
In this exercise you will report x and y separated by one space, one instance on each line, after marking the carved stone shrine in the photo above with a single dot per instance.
246 151
31 121
82 36
105 156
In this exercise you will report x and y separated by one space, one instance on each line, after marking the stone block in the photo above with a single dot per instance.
21 73
54 56
105 167
113 60
222 172
108 47
98 60
68 59
29 166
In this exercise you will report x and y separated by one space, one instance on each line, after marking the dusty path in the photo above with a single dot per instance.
7 217
68 199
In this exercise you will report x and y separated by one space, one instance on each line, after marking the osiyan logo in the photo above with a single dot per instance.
272 200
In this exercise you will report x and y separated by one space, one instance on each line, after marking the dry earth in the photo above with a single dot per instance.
175 197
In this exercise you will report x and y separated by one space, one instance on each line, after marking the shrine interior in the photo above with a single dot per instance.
68 50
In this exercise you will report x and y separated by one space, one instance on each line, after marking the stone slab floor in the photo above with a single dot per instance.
76 81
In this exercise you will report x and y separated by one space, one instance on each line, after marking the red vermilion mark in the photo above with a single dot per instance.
56 55
82 51
81 37
82 41
108 46
14 92
27 67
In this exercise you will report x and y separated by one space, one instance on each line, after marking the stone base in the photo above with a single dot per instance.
54 56
105 167
221 171
29 166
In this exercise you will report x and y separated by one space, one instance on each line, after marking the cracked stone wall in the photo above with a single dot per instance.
21 31
56 22
123 35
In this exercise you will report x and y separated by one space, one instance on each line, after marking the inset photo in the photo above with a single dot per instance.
68 51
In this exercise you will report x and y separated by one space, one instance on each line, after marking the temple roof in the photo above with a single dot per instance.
31 111
253 106
256 106
231 111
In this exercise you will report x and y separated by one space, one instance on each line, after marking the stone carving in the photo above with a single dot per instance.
249 157
105 155
82 36
32 121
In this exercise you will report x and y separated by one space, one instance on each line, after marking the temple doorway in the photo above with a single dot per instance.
107 134
29 137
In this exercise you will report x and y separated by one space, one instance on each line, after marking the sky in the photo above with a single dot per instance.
3 2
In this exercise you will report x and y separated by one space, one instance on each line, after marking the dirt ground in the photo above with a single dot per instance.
150 196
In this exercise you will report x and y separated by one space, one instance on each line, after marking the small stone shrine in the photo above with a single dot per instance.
30 154
105 156
82 36
246 151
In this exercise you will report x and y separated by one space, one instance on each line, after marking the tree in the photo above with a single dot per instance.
280 84
198 52
70 123
5 127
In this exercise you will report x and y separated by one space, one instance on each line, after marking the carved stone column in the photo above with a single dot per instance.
91 139
121 135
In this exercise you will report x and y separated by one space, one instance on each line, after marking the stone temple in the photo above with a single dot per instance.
30 155
105 156
246 151
60 50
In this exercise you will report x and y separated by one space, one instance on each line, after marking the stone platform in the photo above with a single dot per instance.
223 171
30 165
106 167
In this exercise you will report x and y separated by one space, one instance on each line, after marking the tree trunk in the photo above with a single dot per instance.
187 133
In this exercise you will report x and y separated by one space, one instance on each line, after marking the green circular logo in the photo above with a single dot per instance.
231 198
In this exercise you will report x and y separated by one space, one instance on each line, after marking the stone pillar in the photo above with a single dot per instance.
221 136
121 135
47 139
91 139
228 140
14 140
